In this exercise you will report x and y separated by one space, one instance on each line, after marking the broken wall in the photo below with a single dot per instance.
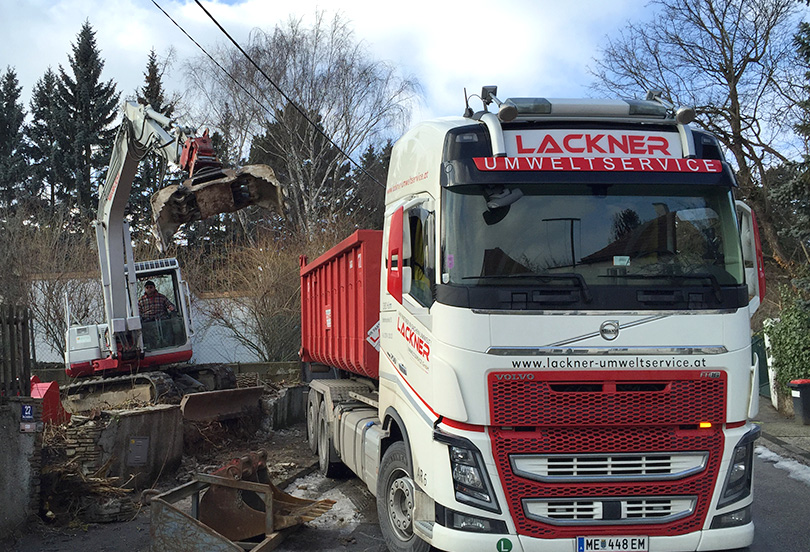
137 446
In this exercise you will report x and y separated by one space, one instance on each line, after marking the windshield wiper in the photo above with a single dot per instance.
586 292
718 292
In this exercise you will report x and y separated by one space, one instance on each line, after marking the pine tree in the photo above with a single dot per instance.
369 187
48 142
91 107
13 162
151 170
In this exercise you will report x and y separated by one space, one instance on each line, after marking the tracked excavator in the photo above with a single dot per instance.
132 355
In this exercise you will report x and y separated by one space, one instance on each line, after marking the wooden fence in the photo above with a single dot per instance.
15 351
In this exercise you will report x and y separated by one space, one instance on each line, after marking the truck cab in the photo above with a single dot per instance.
564 334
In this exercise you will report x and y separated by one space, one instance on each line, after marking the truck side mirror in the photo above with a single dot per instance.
752 256
395 255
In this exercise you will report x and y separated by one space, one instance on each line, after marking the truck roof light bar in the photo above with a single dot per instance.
530 108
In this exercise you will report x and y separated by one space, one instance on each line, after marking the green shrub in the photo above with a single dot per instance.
790 338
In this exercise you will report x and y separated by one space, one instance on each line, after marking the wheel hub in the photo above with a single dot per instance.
400 505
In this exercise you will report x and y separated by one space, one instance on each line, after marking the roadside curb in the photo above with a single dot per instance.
782 448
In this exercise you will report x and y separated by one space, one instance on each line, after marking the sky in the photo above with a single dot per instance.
525 47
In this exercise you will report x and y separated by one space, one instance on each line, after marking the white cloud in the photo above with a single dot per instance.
526 47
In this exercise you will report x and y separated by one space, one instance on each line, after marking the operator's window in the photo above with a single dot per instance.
162 326
420 227
164 284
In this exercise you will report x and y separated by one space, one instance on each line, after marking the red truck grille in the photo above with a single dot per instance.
611 419
606 399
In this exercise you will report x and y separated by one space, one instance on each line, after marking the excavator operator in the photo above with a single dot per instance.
153 305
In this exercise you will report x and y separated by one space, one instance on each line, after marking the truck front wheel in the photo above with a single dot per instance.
395 501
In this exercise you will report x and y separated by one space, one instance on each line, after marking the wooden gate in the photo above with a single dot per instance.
15 351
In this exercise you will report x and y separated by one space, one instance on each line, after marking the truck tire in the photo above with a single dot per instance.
313 420
326 450
395 501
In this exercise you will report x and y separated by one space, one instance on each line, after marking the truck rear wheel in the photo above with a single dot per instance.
312 420
395 501
326 451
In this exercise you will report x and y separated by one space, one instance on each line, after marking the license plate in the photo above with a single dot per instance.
613 544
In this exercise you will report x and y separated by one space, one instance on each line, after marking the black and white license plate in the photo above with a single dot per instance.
613 544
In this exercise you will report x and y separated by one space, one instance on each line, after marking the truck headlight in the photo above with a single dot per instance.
466 472
470 481
738 479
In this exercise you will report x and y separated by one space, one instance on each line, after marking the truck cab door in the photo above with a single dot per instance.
752 256
410 255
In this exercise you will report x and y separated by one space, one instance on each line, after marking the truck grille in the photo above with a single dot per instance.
588 452
613 467
606 398
610 511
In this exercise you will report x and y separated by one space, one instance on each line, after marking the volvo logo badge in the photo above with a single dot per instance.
609 330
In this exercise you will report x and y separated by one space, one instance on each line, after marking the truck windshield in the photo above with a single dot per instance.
590 235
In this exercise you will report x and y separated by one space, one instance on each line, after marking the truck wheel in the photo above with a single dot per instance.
312 421
326 451
395 501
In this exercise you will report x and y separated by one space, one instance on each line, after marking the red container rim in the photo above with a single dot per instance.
800 382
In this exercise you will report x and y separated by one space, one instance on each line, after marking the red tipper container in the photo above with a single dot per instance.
340 305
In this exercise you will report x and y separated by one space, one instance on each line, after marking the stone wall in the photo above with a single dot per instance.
21 462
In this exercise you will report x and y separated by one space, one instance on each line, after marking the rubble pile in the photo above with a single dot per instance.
74 484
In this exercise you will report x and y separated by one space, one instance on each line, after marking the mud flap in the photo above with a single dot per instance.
212 192
224 404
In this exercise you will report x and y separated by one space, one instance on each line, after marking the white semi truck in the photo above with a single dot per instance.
548 345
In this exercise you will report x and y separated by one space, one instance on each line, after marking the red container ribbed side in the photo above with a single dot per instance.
340 304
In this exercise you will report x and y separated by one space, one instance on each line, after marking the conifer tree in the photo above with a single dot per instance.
91 107
13 162
48 142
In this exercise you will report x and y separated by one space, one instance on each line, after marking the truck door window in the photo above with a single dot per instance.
420 228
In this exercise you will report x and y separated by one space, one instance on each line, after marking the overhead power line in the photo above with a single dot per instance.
289 100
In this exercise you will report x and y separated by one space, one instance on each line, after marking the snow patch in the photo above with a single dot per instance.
796 470
343 516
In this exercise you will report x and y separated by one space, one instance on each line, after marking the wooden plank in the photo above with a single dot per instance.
272 541
15 361
25 350
6 374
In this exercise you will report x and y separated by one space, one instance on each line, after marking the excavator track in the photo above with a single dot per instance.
118 391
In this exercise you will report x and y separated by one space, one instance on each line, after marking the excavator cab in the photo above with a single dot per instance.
163 304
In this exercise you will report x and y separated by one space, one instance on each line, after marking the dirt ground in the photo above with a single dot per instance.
211 447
